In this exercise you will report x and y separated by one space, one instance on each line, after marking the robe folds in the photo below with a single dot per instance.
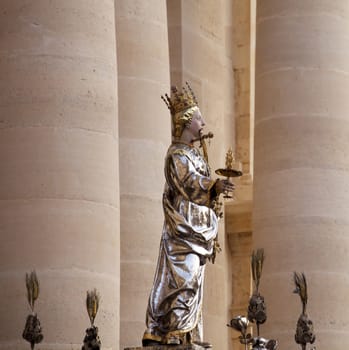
190 228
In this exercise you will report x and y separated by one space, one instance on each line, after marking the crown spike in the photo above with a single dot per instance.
191 92
185 92
168 98
167 104
179 102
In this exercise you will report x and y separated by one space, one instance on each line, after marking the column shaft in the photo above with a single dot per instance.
301 164
59 207
145 134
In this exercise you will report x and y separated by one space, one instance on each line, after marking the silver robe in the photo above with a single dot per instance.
190 227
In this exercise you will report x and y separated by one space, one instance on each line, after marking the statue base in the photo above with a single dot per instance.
169 347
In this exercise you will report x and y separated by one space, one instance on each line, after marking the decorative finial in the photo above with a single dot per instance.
305 328
92 304
32 330
232 166
257 261
91 340
256 308
240 324
229 159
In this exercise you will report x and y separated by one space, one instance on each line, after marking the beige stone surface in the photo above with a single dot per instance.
135 153
238 223
329 101
138 229
59 174
39 242
241 59
53 164
301 164
145 129
238 213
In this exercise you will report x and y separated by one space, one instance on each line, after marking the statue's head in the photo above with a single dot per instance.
182 105
181 120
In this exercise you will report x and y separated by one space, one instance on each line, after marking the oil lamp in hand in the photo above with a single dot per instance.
232 169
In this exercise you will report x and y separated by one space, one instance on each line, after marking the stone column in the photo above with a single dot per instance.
59 211
200 37
145 134
238 223
301 164
238 213
242 94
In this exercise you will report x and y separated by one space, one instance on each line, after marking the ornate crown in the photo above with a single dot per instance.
180 101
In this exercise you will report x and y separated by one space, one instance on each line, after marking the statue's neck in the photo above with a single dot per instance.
186 137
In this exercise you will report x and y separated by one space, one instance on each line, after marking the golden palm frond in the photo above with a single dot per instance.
257 260
301 288
92 304
33 288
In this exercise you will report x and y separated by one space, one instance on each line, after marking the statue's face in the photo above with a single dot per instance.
197 124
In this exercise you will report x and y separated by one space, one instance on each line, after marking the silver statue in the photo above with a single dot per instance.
189 234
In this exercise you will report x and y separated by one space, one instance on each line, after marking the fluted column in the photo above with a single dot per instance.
59 208
301 164
145 134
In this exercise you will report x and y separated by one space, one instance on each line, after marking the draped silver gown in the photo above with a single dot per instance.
190 227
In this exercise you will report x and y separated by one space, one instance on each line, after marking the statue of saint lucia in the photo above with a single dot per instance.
189 233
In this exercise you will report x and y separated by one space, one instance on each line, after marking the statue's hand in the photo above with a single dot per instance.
224 186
